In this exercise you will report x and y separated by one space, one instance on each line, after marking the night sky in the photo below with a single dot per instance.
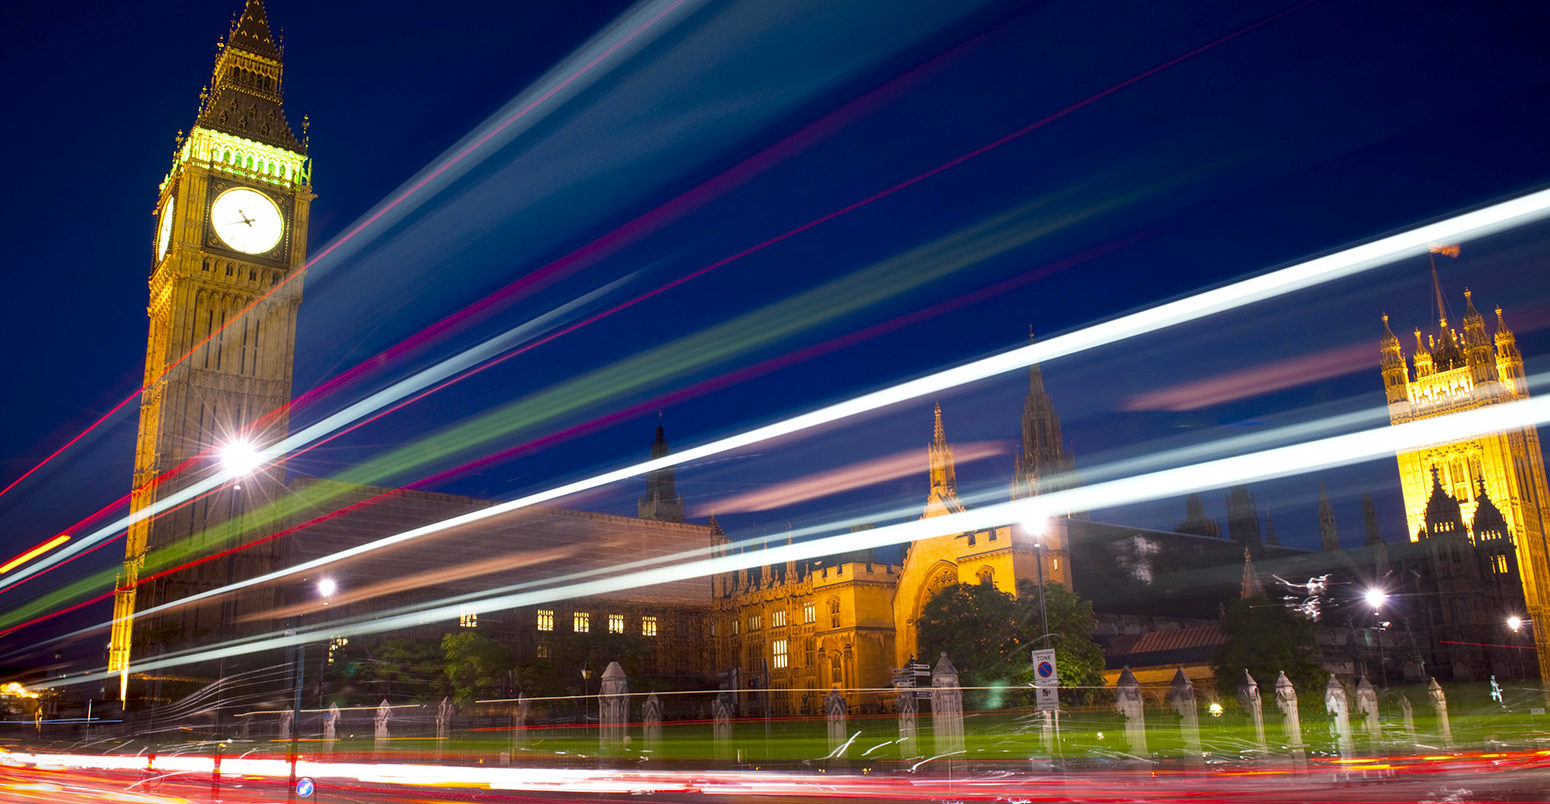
1327 124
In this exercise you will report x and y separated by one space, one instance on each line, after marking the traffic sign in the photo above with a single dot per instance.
1045 673
1046 699
305 787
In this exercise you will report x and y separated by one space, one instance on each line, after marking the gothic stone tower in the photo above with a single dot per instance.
1454 373
229 237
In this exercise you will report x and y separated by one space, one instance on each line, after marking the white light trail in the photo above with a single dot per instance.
1304 275
248 458
1365 445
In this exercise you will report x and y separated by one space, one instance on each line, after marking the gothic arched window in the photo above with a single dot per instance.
986 576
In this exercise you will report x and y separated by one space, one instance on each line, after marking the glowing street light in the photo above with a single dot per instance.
1376 598
239 459
1515 623
327 587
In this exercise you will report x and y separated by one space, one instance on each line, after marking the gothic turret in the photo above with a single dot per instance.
1250 587
1243 518
244 98
1370 522
943 496
1477 344
1042 463
1327 530
661 501
1509 361
1195 521
1395 374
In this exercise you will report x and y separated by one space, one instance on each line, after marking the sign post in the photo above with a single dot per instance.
1046 691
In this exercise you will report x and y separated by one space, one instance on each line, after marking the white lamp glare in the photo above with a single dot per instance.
1514 622
1376 597
327 587
240 459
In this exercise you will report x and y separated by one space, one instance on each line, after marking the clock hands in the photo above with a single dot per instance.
245 219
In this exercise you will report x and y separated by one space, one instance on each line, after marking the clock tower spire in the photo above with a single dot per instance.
230 240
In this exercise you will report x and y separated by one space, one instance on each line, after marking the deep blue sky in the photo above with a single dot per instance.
1329 125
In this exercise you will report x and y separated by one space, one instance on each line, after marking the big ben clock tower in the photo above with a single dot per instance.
229 240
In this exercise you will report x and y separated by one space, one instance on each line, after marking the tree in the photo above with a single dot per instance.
475 665
396 668
1266 638
1071 624
978 626
989 635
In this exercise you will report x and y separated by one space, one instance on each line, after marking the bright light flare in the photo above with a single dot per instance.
34 553
239 459
327 587
1515 623
1376 597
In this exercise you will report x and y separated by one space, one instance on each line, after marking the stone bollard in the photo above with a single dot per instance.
285 725
651 720
946 707
909 735
1339 715
1367 704
613 706
443 722
835 711
1249 702
721 724
379 743
1127 699
331 727
1182 695
1408 713
519 715
1440 706
1286 701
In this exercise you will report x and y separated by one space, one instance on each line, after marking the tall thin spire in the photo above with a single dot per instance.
943 496
246 96
1250 587
1327 528
1042 463
1370 521
661 501
1442 305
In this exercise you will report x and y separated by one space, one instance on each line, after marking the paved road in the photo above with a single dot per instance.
1519 777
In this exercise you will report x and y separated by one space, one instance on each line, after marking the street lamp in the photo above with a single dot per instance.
327 587
1376 598
1515 623
239 459
1038 527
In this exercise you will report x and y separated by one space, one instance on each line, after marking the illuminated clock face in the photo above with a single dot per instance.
164 230
246 220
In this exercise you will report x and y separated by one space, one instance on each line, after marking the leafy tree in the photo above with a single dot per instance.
1071 625
397 669
988 634
1266 638
475 665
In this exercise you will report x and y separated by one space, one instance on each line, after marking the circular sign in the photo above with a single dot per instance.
1046 670
305 787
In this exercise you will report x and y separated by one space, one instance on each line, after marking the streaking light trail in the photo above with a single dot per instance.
1366 445
652 13
33 553
818 221
1351 261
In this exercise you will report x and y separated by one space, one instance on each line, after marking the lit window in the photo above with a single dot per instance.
734 626
616 623
648 626
334 645
780 654
778 618
543 651
834 612
468 618
809 613
545 620
755 622
581 622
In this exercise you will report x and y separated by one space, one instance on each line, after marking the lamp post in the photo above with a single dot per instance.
326 587
1375 598
1038 528
585 676
1515 625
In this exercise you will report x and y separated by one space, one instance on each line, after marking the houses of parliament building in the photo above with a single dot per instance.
229 247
